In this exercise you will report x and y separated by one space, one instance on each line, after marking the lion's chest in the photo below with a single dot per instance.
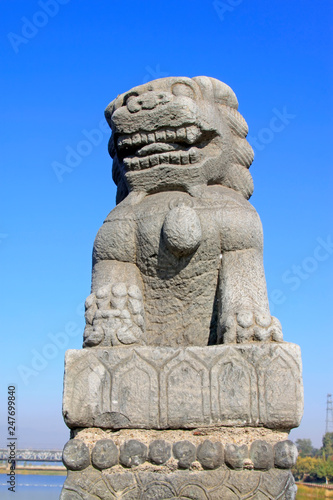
178 255
178 232
179 241
177 237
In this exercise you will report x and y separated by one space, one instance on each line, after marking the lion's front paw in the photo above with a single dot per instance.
92 336
114 316
249 326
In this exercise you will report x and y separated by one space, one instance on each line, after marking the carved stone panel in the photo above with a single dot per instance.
135 391
234 389
220 484
161 388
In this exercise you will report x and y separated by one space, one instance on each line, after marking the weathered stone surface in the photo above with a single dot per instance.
261 454
185 453
210 454
185 447
178 269
76 455
285 454
182 230
104 454
179 260
159 451
133 453
235 456
225 434
217 484
159 387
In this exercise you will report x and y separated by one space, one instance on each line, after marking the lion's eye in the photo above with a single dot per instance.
133 103
182 89
129 96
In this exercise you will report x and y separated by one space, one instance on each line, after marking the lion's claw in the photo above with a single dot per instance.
114 315
92 336
249 326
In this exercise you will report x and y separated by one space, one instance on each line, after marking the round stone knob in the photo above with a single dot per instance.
76 455
182 230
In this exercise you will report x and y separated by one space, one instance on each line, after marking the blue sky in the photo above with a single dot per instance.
62 62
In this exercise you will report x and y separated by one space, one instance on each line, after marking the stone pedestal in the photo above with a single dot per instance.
196 422
199 464
221 484
182 388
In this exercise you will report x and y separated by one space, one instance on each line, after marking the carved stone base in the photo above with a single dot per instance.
201 464
254 384
219 484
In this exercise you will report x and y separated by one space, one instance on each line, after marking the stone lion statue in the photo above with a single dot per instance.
179 260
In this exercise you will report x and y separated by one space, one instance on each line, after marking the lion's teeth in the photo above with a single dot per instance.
170 135
175 158
126 142
144 139
154 160
131 163
170 158
194 156
121 140
160 136
192 133
136 139
181 133
144 162
164 158
127 163
189 134
135 164
184 159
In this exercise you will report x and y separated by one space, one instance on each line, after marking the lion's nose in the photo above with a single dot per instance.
149 100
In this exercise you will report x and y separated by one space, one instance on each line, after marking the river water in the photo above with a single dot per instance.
32 487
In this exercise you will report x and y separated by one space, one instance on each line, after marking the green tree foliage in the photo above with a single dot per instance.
327 448
305 448
324 469
314 465
304 467
312 469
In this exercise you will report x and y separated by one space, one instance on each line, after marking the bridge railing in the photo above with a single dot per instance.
33 455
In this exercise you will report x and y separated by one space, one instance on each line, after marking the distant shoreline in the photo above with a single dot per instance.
316 485
41 471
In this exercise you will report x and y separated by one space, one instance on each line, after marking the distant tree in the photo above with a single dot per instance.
310 469
324 469
304 468
305 448
327 448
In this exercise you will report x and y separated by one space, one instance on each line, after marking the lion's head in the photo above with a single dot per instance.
177 133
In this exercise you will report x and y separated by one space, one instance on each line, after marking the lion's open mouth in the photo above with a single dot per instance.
177 146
